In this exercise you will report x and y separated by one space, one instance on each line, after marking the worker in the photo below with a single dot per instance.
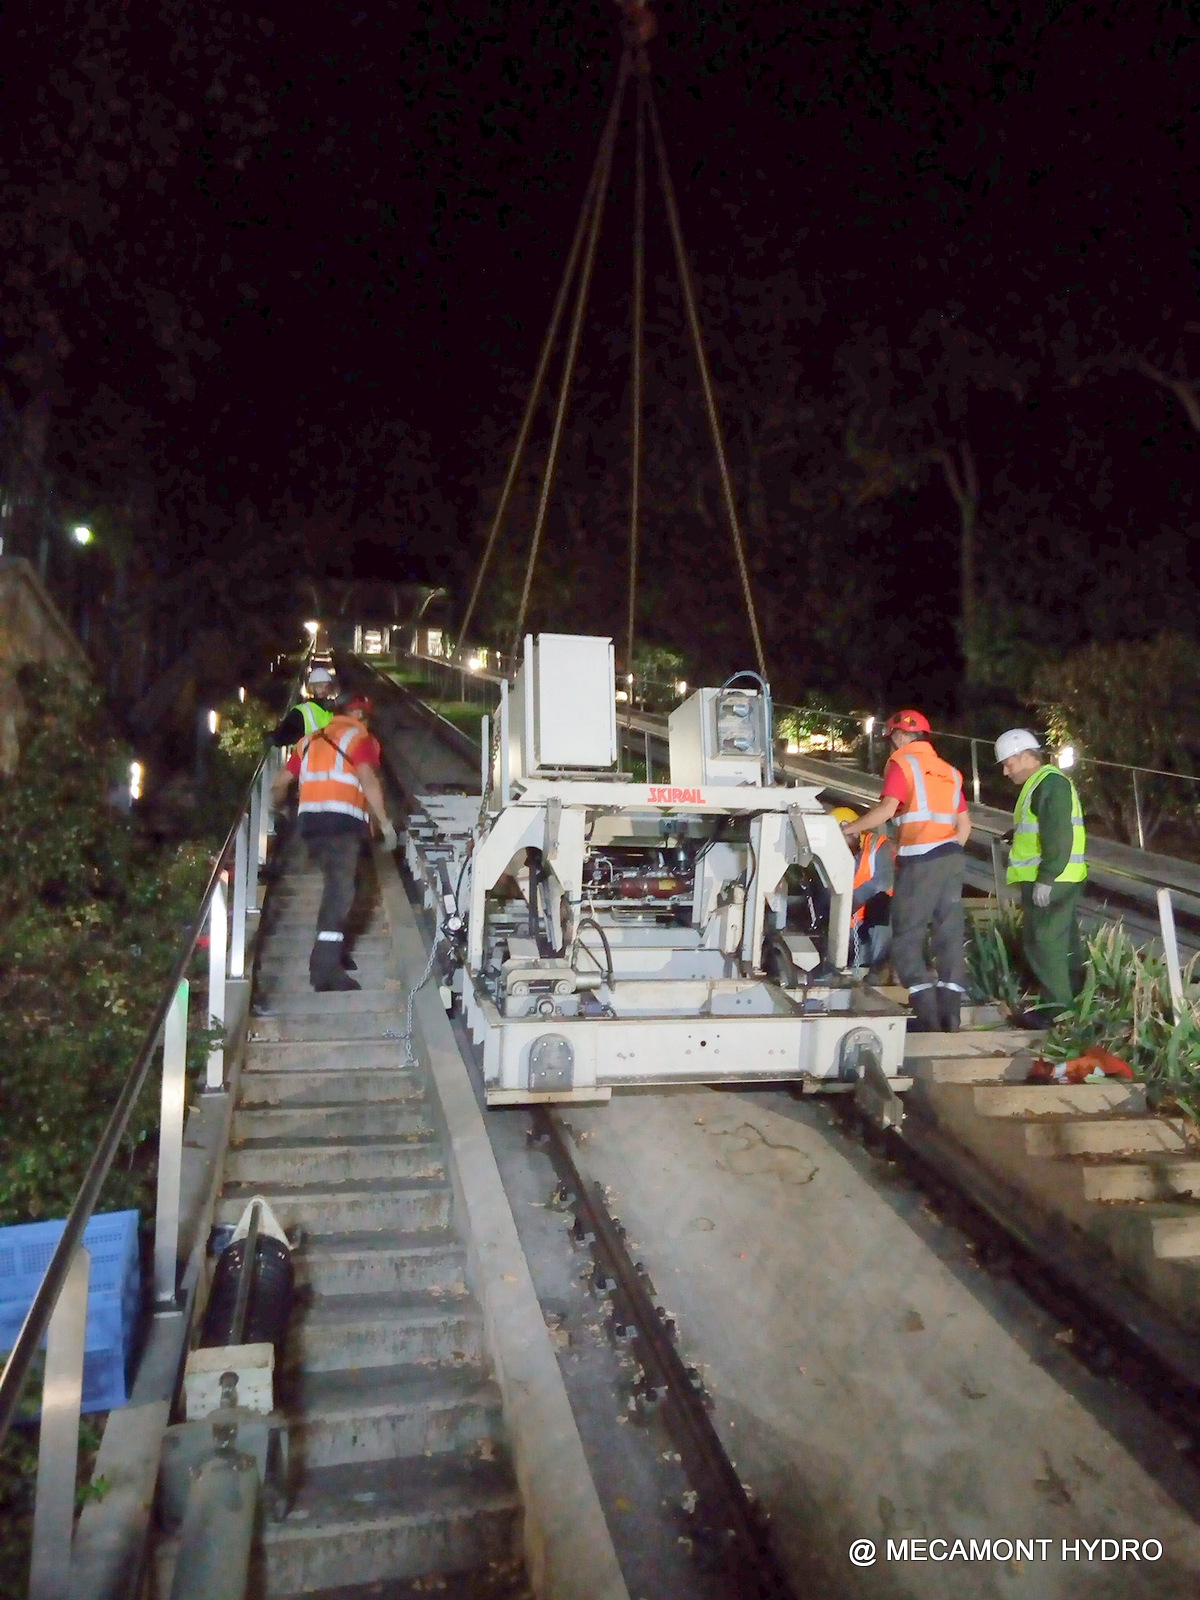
874 883
925 795
307 715
338 770
1048 858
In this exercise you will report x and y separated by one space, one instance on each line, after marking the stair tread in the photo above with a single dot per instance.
281 1142
392 1306
422 1488
337 1191
383 1391
486 1583
330 1246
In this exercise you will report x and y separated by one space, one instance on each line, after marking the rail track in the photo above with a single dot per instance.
1104 1328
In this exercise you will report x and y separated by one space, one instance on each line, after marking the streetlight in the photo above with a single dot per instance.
681 686
1066 757
136 774
214 722
81 533
474 664
312 629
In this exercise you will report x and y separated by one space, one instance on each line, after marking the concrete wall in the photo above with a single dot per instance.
31 629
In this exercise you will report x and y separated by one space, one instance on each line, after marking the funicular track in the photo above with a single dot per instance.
1103 1329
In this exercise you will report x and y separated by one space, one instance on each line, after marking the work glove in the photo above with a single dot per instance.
1041 895
388 835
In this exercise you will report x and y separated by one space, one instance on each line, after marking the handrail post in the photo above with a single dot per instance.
170 1148
264 809
241 868
58 1437
214 1078
1166 923
1137 810
975 770
649 763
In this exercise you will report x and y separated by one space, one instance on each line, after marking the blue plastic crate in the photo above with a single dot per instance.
114 1296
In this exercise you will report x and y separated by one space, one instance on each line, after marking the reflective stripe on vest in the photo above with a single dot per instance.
1025 853
865 871
925 822
328 781
313 716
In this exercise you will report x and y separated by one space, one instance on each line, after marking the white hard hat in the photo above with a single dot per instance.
1014 741
320 675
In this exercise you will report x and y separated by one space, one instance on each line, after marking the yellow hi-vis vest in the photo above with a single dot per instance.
1025 855
313 716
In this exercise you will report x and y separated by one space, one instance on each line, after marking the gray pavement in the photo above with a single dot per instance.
870 1381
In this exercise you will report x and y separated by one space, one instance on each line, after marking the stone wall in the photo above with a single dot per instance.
31 629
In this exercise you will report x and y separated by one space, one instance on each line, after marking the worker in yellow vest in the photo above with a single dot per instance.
1048 859
874 885
338 770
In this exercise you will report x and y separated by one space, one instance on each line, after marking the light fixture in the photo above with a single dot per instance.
474 664
136 774
622 695
242 696
81 533
629 677
681 686
312 629
869 726
1066 757
792 748
214 722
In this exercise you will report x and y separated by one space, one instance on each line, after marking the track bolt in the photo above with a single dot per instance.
581 1234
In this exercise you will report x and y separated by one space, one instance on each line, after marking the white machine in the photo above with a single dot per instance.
609 933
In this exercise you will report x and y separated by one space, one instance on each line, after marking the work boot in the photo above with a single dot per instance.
1036 1018
924 1003
949 1005
325 968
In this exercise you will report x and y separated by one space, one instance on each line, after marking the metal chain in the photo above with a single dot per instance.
710 399
406 1038
607 145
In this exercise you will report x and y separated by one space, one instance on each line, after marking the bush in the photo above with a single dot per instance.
1135 704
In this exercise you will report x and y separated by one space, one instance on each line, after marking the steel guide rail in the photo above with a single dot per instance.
726 1513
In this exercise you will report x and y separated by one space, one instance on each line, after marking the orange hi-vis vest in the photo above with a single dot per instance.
929 817
328 781
872 844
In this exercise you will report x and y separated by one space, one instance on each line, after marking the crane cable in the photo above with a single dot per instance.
636 344
683 268
607 145
539 376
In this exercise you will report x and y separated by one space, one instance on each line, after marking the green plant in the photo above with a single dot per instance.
1125 1006
995 965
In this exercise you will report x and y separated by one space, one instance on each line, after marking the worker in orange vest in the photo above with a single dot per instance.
338 771
925 795
874 883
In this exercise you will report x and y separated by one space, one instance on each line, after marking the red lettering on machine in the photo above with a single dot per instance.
676 797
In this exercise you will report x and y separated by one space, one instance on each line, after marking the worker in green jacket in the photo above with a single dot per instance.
1048 858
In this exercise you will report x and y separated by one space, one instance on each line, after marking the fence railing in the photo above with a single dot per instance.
1131 803
58 1311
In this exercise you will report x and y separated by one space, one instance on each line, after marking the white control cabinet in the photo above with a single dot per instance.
563 705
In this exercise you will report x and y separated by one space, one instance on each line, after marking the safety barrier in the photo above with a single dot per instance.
58 1312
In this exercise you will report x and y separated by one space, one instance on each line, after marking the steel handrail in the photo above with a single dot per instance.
37 1320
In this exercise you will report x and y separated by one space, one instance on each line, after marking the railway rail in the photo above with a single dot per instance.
1109 1328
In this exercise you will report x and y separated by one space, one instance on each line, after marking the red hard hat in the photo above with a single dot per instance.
359 702
907 722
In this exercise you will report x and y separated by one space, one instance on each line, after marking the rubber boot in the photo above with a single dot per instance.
325 968
949 1004
925 1017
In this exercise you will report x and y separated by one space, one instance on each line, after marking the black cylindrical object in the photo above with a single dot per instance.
269 1303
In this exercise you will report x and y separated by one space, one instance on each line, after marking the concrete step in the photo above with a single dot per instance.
383 1263
1127 1178
363 1524
324 1161
334 1121
339 1417
1175 1230
280 945
970 1069
336 1333
495 1582
285 1055
970 1042
407 1205
345 1003
369 1018
1058 1099
302 1086
1101 1135
293 979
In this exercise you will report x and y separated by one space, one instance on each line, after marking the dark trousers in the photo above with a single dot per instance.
337 856
928 904
1052 942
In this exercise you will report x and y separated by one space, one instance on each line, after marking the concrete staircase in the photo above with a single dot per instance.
401 1479
1090 1153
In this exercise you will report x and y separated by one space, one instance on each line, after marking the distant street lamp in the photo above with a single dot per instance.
81 534
1066 757
214 722
312 629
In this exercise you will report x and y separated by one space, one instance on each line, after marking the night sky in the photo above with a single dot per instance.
291 270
